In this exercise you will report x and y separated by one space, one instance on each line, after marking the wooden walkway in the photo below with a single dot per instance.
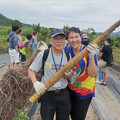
106 103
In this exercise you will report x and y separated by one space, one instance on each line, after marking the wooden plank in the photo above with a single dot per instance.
114 84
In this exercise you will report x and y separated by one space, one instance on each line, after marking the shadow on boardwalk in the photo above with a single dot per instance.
107 100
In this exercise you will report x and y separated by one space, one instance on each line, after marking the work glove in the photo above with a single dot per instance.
92 50
39 87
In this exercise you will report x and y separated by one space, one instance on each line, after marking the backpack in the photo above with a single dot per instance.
45 56
20 44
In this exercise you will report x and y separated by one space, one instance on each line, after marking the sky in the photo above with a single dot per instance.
96 14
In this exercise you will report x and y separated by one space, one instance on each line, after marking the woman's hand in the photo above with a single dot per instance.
68 74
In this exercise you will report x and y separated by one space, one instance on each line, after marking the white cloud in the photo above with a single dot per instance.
97 14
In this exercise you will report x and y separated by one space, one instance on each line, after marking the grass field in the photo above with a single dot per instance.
116 55
44 35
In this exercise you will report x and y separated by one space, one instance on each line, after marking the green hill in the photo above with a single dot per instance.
6 21
3 19
115 33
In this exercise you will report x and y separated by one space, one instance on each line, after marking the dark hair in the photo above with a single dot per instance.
35 32
15 27
73 29
20 30
29 36
108 40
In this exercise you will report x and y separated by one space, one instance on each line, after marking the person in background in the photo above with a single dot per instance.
105 59
34 41
19 33
57 98
13 46
100 75
85 40
82 83
24 50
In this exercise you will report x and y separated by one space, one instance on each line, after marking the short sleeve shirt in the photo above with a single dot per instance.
107 51
49 69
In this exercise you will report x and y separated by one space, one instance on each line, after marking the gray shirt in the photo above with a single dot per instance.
49 69
13 40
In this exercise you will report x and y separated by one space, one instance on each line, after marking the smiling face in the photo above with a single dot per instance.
58 42
74 39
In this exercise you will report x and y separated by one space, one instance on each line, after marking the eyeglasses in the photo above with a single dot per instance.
59 39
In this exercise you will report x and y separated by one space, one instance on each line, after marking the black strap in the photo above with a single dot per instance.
45 56
67 55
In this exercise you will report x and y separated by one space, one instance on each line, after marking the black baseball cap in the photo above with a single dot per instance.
55 32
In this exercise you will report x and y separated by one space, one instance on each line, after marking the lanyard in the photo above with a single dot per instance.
54 60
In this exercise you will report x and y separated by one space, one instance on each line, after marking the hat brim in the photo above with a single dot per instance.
57 34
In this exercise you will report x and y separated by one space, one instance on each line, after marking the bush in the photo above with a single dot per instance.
20 115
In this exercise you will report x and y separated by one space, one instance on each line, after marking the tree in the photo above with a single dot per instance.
12 22
65 28
44 34
36 27
91 33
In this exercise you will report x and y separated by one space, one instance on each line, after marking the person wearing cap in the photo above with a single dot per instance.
85 40
82 83
57 98
105 59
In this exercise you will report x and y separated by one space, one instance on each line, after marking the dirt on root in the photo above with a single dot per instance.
3 70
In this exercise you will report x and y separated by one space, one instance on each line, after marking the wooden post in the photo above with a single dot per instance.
74 61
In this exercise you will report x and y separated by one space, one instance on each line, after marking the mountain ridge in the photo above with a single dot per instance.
4 20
